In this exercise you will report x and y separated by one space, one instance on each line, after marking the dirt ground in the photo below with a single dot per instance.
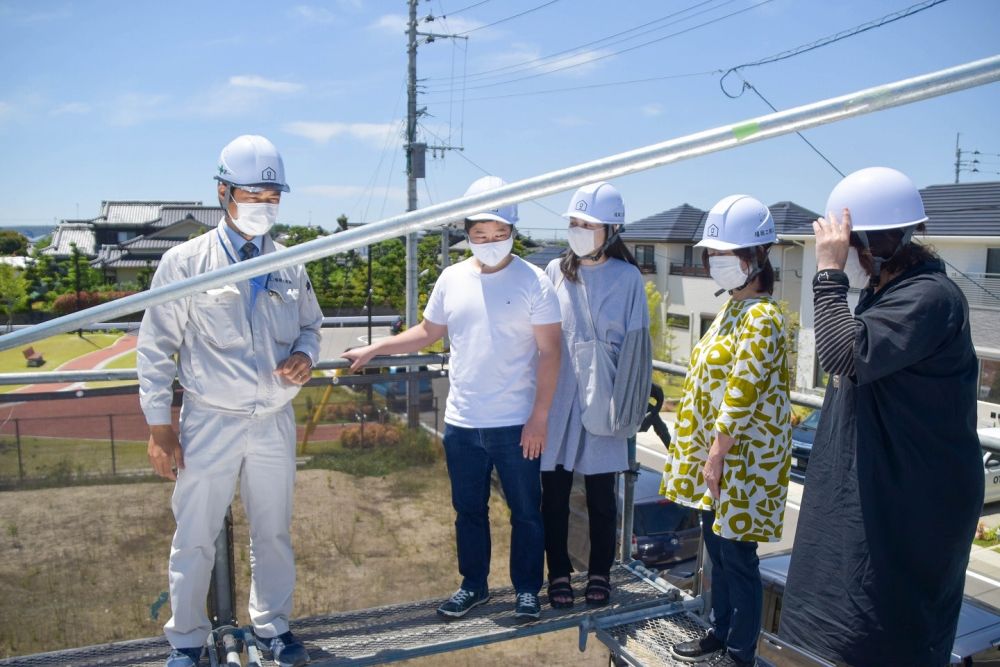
87 565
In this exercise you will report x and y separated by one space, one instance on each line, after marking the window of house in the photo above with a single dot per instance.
993 260
689 255
644 255
706 322
679 321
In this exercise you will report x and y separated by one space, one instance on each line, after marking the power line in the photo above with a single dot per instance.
459 11
631 48
749 86
509 18
531 63
830 39
589 86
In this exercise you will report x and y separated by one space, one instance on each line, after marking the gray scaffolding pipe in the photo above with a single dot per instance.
53 377
800 118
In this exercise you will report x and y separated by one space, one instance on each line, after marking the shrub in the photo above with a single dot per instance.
67 303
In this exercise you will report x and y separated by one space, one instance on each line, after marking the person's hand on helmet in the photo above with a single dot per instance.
833 240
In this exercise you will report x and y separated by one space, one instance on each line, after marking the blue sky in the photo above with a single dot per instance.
133 100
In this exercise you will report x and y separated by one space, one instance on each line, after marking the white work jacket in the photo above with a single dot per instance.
227 352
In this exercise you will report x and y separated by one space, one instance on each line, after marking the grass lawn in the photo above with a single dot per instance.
56 350
65 458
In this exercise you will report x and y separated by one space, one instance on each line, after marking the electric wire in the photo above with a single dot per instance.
830 39
627 50
459 11
509 18
534 63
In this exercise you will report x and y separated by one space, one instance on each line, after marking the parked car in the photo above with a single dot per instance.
975 641
802 442
395 392
664 534
991 464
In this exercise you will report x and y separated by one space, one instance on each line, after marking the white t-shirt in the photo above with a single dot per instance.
490 319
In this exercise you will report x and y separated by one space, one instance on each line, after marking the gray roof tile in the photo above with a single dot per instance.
80 233
963 209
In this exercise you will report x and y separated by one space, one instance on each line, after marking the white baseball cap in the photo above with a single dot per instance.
738 221
599 203
505 214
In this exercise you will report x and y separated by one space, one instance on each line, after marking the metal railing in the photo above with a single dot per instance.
799 118
982 290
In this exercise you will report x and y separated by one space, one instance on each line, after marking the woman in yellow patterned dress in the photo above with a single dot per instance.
730 455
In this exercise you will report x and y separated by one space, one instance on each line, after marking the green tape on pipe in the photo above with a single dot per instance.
747 129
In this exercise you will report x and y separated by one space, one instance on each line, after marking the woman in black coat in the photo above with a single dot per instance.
895 483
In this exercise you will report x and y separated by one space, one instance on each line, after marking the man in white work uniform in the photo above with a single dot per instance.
241 352
504 322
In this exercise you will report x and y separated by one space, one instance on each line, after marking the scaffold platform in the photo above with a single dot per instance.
404 631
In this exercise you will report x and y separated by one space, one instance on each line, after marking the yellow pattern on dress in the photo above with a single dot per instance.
737 384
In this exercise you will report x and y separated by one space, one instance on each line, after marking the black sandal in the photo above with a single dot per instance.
598 591
560 594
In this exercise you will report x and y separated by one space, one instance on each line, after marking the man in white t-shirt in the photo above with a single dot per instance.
503 319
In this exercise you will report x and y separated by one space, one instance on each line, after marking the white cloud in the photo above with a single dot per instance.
393 23
321 133
6 110
651 110
314 14
349 191
260 83
135 108
70 108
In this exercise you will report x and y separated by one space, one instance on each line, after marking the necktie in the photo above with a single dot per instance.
248 251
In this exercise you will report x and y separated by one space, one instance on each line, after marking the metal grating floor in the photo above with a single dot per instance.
647 642
397 632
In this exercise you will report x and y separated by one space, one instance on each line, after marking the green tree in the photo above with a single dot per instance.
13 243
14 288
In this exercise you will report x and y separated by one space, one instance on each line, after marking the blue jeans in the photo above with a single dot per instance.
472 453
737 592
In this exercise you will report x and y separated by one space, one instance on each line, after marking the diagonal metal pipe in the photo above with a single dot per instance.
907 91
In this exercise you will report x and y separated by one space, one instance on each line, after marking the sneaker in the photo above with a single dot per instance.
526 606
285 650
727 659
698 649
459 604
185 657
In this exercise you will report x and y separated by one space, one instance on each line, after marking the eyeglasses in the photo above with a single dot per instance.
256 189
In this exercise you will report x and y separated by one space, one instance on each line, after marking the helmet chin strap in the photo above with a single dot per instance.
878 262
612 237
225 199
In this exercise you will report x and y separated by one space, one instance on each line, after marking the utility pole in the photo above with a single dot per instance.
415 160
958 156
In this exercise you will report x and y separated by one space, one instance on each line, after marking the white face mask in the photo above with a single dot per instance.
582 241
727 271
857 276
491 254
255 219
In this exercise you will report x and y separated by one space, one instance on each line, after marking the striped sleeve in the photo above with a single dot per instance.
836 328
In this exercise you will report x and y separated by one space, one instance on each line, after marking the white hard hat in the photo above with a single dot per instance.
878 198
738 221
506 214
251 161
599 203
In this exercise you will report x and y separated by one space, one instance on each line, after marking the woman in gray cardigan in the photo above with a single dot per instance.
603 388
